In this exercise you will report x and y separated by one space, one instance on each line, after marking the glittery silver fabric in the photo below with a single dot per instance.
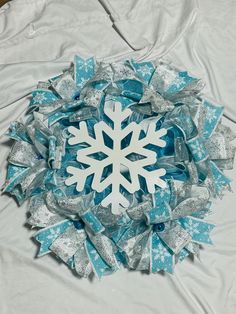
40 215
105 248
189 206
175 237
92 97
137 212
137 251
105 215
181 152
83 266
34 175
65 86
23 153
68 243
158 103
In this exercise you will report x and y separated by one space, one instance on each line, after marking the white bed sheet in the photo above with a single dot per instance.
38 38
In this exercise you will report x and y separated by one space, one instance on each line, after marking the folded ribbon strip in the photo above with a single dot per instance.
67 239
157 229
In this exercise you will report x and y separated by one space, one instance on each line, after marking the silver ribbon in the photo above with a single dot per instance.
66 245
104 247
158 103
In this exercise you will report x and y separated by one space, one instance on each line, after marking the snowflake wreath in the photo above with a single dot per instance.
120 163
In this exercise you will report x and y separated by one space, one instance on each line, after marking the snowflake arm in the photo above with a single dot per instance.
79 134
153 136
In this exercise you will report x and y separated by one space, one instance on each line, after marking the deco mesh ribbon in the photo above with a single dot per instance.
120 163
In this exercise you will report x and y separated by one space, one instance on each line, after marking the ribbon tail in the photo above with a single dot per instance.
99 266
105 249
82 263
48 235
66 245
198 229
161 258
40 215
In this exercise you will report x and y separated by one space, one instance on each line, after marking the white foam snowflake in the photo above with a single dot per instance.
127 163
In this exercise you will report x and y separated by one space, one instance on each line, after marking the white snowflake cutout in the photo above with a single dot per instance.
117 157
